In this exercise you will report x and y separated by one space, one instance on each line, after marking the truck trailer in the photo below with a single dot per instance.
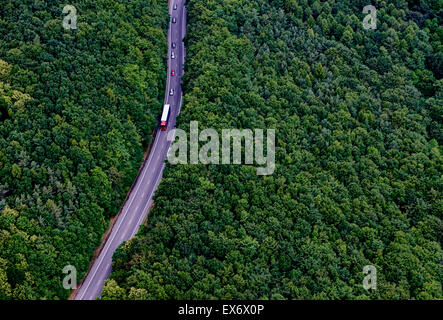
165 117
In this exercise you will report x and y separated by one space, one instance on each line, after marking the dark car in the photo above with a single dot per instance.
174 20
173 45
175 6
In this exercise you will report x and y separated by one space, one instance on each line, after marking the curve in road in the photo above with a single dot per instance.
139 200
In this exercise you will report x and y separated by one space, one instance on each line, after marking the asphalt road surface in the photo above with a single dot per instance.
140 199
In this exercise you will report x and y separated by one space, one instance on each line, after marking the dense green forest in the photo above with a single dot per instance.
77 109
358 179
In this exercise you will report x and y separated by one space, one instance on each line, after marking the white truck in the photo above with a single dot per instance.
165 117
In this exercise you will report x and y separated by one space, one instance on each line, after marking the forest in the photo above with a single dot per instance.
358 178
77 110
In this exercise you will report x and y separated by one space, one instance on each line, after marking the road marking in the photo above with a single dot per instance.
83 289
120 221
107 244
148 203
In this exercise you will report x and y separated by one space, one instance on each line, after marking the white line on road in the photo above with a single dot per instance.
150 201
121 218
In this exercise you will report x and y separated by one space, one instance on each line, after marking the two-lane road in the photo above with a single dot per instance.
140 199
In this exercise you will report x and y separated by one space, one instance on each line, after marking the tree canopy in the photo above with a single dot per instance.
77 109
358 177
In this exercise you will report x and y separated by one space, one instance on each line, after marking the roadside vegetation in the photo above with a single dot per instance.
358 179
77 109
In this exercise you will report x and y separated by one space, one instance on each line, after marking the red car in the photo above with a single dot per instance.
172 72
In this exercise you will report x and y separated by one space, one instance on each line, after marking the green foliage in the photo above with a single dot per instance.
358 153
77 109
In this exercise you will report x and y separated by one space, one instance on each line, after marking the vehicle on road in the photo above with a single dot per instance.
175 6
140 199
172 72
165 117
174 20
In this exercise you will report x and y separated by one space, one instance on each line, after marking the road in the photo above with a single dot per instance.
139 201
